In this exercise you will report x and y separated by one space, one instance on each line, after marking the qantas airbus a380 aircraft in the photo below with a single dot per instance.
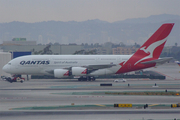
88 66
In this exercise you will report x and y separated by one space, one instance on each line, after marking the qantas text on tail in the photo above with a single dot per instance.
91 65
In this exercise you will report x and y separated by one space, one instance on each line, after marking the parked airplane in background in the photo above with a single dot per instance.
88 66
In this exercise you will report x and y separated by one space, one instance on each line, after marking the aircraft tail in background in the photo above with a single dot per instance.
177 63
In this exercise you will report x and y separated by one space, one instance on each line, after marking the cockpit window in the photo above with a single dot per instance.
9 63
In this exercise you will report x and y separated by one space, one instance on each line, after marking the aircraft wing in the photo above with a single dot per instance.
94 67
159 61
99 66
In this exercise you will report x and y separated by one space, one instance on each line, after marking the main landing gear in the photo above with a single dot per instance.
86 78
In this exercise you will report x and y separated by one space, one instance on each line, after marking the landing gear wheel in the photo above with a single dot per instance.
88 78
92 78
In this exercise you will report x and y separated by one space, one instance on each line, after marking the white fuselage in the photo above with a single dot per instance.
44 64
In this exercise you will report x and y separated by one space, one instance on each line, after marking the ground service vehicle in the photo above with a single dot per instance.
13 79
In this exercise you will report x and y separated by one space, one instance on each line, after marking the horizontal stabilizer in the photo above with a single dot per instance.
158 61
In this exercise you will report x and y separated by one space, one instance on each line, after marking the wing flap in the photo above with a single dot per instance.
99 66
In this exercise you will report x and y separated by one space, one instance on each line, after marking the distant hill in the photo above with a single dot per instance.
152 19
91 31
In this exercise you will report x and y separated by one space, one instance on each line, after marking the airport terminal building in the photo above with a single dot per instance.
5 57
21 45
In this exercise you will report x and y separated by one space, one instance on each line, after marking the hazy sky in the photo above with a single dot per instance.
81 10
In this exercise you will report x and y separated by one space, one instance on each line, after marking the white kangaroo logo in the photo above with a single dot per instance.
145 50
150 49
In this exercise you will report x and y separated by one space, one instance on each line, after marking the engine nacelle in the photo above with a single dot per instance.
79 71
60 73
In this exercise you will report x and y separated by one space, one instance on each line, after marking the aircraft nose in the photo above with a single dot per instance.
5 68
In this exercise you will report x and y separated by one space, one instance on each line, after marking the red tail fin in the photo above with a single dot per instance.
150 50
155 44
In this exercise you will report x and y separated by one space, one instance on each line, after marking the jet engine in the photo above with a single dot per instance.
60 73
79 71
